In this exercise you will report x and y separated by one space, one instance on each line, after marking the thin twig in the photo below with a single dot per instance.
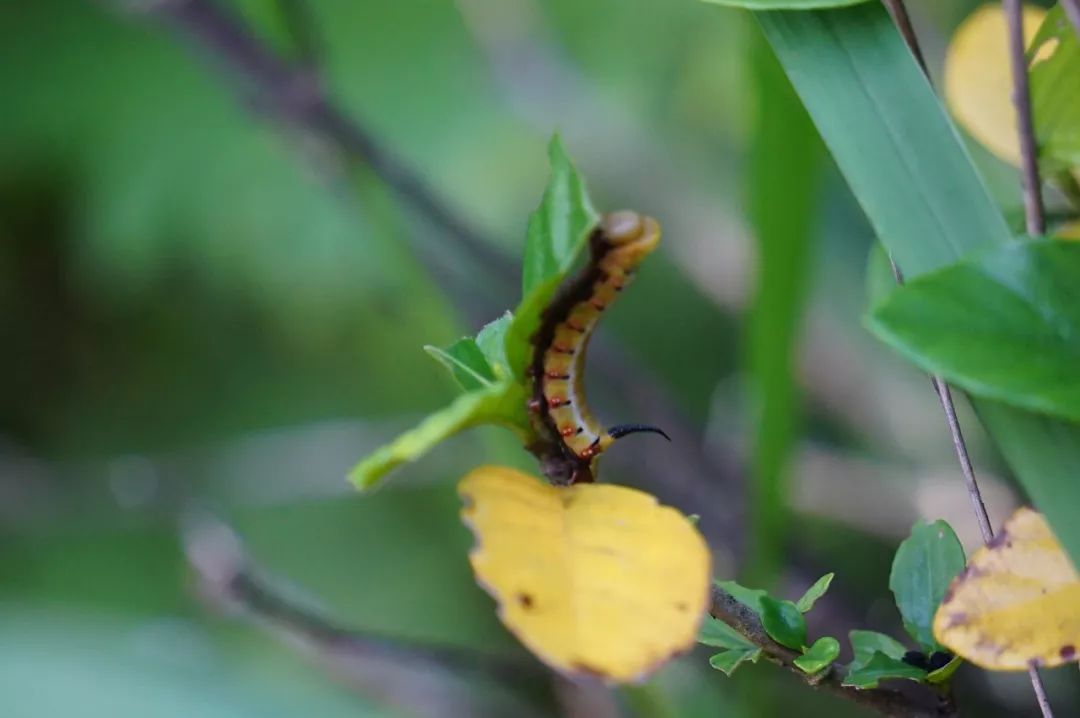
898 10
1029 152
1072 11
1036 225
887 702
977 503
428 681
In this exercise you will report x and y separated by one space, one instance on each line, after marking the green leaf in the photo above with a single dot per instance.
557 232
1004 324
880 281
715 632
749 597
866 643
728 661
784 622
904 161
502 403
924 566
881 667
784 4
492 342
819 656
466 362
786 160
945 672
815 592
1055 87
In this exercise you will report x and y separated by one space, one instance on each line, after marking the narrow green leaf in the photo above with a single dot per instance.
785 161
784 4
880 281
466 362
815 592
866 643
1055 87
728 661
906 165
881 667
783 621
502 404
819 656
749 597
492 342
946 672
557 232
715 632
924 566
1003 324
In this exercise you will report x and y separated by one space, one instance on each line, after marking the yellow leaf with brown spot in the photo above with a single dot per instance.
978 80
594 579
1017 602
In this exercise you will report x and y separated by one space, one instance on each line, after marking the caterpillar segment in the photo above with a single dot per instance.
617 248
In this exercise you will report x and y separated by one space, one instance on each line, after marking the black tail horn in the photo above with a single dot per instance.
617 432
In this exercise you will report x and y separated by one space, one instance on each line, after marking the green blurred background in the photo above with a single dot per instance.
208 315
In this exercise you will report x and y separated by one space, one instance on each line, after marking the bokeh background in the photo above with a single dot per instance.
209 313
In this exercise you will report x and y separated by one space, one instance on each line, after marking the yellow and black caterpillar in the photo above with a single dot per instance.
572 436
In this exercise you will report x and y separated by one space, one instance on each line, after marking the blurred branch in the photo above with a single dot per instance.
286 92
1072 10
887 702
1036 225
433 682
1029 151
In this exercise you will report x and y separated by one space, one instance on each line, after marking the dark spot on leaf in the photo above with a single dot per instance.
939 659
917 659
1068 652
681 607
525 600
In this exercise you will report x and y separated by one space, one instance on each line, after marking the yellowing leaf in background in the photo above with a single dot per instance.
1017 602
594 579
978 81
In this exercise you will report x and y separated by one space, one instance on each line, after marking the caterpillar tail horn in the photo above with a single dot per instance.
617 432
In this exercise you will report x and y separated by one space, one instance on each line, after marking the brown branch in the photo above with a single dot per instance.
1033 209
887 702
1029 151
428 681
1072 11
898 10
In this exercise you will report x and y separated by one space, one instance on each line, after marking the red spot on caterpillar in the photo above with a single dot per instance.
574 326
570 431
556 375
555 402
560 349
598 306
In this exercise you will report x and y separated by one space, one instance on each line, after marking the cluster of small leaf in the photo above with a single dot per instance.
924 566
490 368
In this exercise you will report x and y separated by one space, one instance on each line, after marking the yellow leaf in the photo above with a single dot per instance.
594 579
1017 602
978 81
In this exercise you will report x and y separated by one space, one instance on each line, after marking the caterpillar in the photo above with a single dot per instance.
571 436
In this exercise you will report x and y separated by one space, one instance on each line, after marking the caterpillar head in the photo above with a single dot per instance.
631 234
